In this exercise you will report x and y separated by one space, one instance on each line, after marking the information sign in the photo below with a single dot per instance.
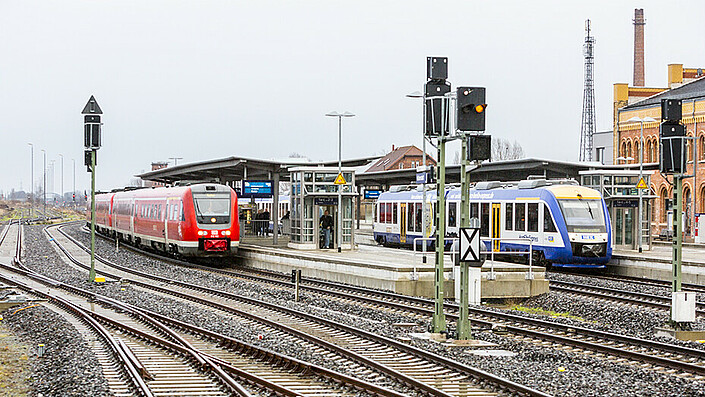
257 189
372 194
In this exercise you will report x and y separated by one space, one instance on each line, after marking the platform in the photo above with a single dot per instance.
657 263
392 269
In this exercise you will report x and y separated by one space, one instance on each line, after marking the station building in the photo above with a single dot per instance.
688 85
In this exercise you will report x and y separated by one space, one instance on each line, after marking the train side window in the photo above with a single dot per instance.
181 210
475 210
548 225
519 217
383 213
485 220
452 212
509 216
394 212
419 218
410 217
374 215
533 217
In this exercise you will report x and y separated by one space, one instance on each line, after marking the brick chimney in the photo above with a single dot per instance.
639 47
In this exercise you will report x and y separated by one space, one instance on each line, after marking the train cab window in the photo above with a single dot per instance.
374 213
394 212
410 217
548 225
520 217
533 217
181 211
485 220
509 216
452 214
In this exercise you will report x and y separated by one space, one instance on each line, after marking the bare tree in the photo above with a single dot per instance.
456 157
502 149
296 155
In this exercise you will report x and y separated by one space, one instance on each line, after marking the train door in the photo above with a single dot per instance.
402 223
132 217
163 213
496 225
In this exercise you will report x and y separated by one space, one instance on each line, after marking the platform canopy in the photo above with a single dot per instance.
234 168
505 170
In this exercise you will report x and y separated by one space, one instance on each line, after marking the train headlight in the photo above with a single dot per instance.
202 232
227 232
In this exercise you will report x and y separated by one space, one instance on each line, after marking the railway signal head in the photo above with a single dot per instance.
471 106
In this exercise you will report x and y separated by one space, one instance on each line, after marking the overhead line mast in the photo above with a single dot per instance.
587 130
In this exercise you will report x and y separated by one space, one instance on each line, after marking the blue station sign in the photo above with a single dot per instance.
372 194
257 189
421 177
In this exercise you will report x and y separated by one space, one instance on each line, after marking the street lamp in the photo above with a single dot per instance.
339 225
641 169
73 193
62 180
176 159
417 94
44 193
31 182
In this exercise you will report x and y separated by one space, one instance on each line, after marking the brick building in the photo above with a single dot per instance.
687 84
401 158
157 165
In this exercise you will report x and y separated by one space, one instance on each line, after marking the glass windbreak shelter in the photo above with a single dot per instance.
313 198
621 195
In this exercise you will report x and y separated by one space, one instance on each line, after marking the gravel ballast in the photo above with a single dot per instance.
553 371
68 367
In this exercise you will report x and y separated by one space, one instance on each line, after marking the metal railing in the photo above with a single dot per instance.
492 276
423 244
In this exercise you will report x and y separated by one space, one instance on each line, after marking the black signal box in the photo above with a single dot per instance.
671 110
668 129
437 68
471 107
479 147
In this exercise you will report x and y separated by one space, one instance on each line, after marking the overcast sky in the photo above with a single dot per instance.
210 79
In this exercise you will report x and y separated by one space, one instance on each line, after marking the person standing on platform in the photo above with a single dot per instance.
326 226
265 222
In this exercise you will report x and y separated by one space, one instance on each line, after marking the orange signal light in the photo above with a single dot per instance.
480 108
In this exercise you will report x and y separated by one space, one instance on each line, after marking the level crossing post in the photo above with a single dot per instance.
439 318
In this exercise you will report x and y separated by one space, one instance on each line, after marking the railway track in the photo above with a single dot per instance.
422 370
658 356
226 357
640 281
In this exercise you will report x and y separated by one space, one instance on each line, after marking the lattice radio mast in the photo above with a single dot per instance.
588 126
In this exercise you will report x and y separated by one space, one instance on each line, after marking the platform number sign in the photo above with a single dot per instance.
470 244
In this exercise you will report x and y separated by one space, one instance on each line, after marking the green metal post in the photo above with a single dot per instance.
91 274
678 237
463 318
439 318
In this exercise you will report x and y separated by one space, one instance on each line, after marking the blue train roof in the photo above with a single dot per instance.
509 193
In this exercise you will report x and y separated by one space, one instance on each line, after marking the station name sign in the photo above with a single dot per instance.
372 194
257 189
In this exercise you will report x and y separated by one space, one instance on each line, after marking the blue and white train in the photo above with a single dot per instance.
568 225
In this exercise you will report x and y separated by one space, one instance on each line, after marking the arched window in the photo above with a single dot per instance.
664 199
629 151
689 147
623 150
647 153
702 198
654 151
701 146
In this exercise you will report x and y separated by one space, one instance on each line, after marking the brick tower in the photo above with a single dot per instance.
639 23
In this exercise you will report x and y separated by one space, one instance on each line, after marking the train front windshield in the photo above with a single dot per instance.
583 215
212 209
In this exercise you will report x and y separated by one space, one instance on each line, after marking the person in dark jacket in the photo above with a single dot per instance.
327 227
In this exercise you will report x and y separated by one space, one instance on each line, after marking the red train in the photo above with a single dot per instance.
197 220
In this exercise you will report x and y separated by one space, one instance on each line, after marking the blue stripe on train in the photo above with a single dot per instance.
558 256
